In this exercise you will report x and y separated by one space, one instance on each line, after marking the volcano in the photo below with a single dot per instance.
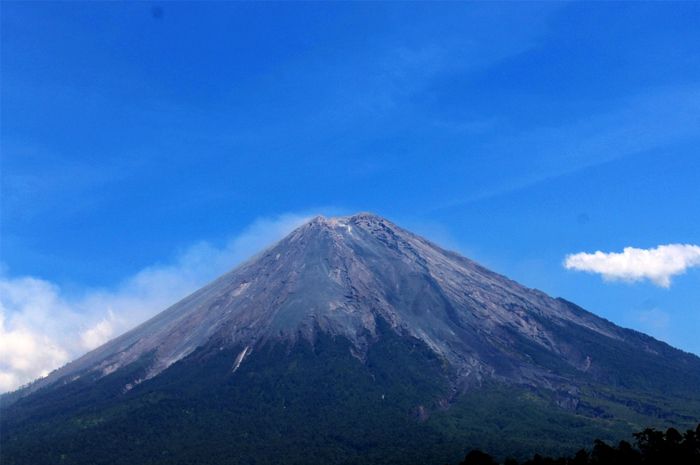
352 340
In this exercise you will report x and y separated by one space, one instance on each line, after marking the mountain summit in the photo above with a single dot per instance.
349 307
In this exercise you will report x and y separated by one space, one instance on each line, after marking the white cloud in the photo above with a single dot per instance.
25 354
42 327
657 265
101 332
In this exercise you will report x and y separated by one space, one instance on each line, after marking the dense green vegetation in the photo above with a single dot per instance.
306 403
652 448
315 401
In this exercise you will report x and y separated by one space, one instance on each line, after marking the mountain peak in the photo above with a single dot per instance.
356 229
346 277
357 218
355 308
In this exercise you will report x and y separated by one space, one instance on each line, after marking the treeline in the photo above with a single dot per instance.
650 447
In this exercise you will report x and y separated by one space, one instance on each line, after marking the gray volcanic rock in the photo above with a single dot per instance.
352 341
341 275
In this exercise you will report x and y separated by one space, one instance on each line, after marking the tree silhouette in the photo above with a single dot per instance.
652 448
476 457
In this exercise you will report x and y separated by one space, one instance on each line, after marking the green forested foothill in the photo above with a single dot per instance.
316 401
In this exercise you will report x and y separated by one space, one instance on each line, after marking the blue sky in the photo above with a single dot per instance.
154 137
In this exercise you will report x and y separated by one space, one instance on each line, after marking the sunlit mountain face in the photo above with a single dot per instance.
353 340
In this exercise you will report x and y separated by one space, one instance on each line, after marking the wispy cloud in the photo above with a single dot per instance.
42 327
648 121
658 265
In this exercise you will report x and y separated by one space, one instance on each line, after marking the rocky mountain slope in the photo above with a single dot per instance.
360 305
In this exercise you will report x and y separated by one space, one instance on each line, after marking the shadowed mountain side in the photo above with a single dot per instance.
354 338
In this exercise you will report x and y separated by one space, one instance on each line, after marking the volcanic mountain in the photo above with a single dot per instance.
352 340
